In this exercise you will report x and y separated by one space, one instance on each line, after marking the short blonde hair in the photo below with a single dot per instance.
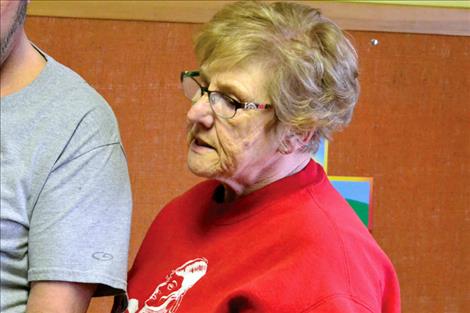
312 66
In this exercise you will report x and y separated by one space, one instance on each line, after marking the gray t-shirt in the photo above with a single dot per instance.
65 194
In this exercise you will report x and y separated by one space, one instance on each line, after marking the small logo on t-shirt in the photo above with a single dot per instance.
102 256
168 295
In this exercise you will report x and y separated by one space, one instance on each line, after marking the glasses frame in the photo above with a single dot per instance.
235 103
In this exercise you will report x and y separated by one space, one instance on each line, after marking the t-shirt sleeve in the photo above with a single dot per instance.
80 224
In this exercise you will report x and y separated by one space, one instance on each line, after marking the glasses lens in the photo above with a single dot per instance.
191 89
222 105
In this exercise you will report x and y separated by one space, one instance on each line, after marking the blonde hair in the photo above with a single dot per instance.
312 66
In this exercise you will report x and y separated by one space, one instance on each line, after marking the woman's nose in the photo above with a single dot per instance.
201 112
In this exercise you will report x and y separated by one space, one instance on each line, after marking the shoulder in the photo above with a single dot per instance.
64 82
329 213
64 93
342 255
68 106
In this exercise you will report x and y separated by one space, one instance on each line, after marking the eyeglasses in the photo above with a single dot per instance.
222 105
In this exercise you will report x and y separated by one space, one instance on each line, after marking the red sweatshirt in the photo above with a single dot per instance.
294 246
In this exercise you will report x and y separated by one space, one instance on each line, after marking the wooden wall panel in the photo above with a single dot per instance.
411 132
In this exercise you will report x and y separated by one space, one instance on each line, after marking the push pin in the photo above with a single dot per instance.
374 42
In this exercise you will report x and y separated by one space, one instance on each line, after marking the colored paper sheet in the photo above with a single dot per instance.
358 192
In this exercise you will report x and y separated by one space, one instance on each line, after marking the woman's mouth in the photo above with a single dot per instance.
202 143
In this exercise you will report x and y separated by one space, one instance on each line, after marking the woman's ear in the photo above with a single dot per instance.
305 136
294 140
285 147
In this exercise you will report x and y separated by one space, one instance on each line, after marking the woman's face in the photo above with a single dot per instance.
239 149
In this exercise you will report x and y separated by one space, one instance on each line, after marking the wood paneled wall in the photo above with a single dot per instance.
411 132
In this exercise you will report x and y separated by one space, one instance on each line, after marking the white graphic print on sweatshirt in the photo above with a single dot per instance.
168 295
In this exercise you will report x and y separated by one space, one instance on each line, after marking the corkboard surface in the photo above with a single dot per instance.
411 132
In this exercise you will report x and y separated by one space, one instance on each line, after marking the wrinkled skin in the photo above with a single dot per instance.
242 151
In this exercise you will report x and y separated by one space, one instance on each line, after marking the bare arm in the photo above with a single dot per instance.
57 296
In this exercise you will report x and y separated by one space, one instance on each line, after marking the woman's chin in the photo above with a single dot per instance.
202 169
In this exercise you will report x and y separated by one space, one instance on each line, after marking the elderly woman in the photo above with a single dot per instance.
267 232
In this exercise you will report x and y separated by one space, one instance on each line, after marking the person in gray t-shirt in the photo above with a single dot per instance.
65 193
